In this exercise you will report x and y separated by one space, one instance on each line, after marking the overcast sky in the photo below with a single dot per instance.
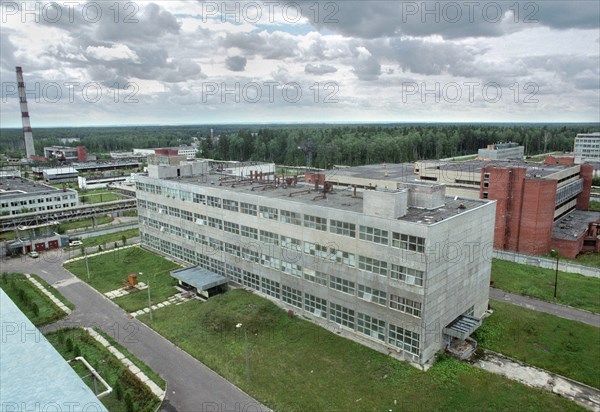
203 62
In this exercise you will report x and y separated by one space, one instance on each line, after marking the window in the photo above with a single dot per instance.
230 205
372 234
232 249
234 273
198 198
404 339
315 276
270 261
248 209
315 222
290 217
291 296
316 250
249 232
291 243
251 255
214 201
187 215
269 237
370 326
372 295
231 227
343 257
291 269
372 265
268 213
341 315
216 223
407 275
407 242
315 305
405 305
342 285
251 280
342 228
271 288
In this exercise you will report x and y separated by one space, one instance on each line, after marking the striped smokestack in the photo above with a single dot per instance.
27 134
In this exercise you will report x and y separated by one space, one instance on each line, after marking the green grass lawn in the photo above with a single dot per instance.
594 206
31 298
56 294
588 259
108 366
99 196
85 223
109 239
573 289
110 270
298 366
569 348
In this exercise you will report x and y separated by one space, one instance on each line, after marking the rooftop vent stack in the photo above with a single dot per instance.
27 134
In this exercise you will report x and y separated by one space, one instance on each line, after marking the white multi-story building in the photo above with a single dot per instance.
587 147
18 195
403 271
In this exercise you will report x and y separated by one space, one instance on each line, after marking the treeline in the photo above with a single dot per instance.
325 145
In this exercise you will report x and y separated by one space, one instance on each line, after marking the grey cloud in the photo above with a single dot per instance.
368 69
236 63
319 69
274 46
7 51
566 14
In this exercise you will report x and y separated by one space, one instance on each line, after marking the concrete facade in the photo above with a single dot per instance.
587 147
502 151
374 267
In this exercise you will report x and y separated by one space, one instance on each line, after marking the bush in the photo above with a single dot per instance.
69 344
116 245
76 350
128 403
118 391
35 309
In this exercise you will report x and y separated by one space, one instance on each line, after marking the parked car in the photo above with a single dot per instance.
76 243
34 254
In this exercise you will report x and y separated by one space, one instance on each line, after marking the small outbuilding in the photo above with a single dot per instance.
204 282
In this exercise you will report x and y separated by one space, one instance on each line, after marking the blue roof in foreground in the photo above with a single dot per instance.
33 375
199 278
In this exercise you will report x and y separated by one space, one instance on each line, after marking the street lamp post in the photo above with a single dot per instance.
239 325
554 253
87 265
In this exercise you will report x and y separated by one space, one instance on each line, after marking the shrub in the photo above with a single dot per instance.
118 391
69 344
128 403
35 309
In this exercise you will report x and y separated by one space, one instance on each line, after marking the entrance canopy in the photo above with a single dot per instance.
462 326
199 278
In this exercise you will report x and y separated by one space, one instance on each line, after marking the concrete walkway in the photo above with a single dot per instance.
99 253
584 395
156 390
562 311
177 299
46 292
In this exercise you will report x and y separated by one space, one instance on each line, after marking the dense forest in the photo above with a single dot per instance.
327 144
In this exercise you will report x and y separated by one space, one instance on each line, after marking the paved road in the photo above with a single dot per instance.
191 386
562 311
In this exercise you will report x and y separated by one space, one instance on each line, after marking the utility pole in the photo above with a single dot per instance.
87 265
149 302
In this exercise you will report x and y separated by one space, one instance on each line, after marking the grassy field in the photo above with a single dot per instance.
31 301
588 259
298 366
110 270
108 366
85 223
109 239
97 196
56 294
594 206
573 289
569 348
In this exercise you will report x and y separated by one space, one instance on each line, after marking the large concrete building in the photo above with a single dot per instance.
587 147
19 195
502 151
532 199
66 153
386 268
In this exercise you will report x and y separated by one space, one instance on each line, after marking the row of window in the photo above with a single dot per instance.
367 233
363 323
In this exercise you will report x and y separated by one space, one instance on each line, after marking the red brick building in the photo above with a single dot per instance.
542 208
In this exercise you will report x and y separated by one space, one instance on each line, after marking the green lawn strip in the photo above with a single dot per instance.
108 366
566 347
101 197
56 293
298 366
594 206
85 223
47 312
587 259
141 365
573 289
109 271
109 239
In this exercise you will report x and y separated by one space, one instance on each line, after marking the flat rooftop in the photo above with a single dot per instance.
18 186
395 172
475 166
341 199
33 373
573 225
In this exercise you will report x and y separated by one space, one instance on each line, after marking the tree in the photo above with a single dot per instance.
124 240
69 344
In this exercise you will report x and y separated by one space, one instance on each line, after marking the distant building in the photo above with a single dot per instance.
587 147
374 265
18 195
189 152
502 151
65 153
60 174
